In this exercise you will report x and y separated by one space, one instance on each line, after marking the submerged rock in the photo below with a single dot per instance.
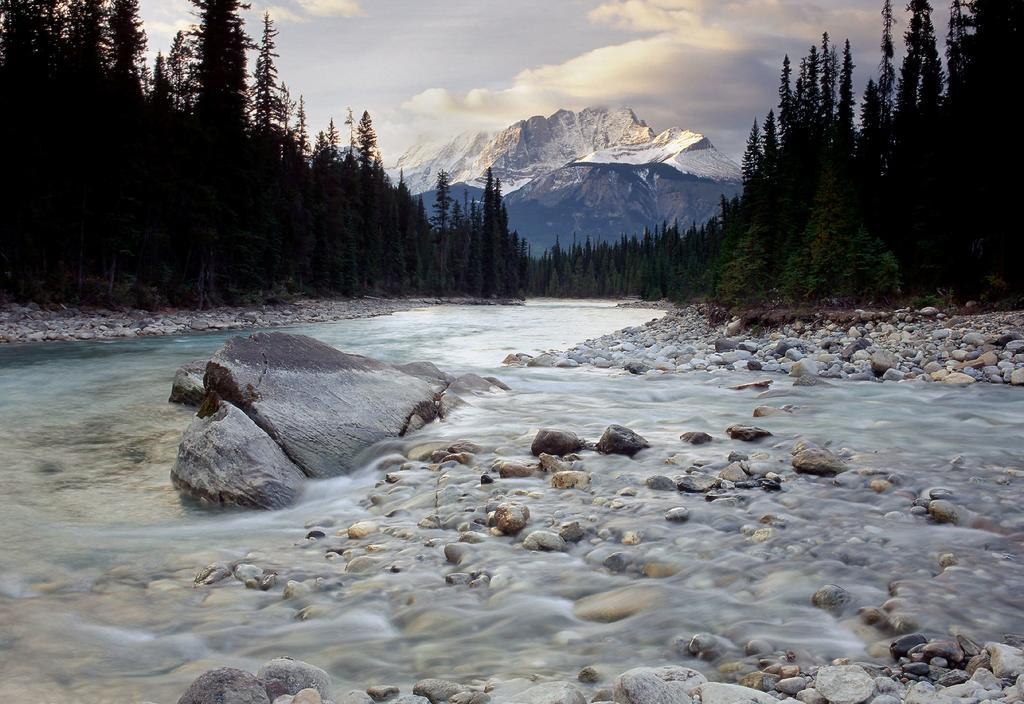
818 461
225 458
287 676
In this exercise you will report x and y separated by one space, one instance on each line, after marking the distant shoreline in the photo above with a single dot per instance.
30 323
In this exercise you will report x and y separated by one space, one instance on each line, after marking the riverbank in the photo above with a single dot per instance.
923 345
32 323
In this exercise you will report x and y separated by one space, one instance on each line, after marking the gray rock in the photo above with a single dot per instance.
287 676
225 458
552 693
844 684
747 433
321 405
620 440
660 482
719 693
438 690
1007 661
943 511
819 462
545 541
187 387
556 442
883 360
832 599
225 686
671 684
679 514
695 437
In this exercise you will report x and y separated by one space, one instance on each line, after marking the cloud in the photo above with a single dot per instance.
707 65
332 8
284 14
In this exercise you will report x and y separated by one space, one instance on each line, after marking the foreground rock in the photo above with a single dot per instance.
321 405
225 458
187 387
282 407
620 440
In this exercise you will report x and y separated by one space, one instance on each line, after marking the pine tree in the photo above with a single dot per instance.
127 46
268 108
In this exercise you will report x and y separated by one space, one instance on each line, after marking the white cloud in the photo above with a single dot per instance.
332 8
283 14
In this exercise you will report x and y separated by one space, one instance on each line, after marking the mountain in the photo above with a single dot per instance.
599 172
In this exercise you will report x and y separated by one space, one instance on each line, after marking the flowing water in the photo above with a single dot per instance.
96 595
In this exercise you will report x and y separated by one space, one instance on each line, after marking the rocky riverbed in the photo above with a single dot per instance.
32 323
923 345
473 520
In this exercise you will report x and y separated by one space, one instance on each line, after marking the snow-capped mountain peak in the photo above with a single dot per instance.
537 146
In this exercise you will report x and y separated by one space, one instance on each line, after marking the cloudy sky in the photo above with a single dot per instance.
432 68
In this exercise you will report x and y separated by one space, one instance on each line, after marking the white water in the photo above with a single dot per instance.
99 552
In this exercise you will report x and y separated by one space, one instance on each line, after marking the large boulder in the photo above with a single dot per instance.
321 405
225 458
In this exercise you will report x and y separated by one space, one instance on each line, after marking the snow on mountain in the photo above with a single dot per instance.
540 145
687 152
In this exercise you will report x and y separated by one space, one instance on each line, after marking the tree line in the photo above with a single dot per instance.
910 192
196 179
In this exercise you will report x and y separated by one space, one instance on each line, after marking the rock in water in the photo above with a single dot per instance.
620 440
187 387
321 405
287 676
747 433
225 458
844 684
225 685
818 462
556 442
671 684
719 693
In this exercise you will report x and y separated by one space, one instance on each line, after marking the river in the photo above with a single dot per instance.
96 595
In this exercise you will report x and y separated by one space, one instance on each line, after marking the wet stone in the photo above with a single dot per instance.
695 438
746 433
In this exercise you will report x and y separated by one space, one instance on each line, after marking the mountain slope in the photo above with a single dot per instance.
597 172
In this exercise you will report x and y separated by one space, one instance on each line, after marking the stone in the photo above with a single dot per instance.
287 676
570 480
1006 660
225 458
362 529
1017 377
511 517
212 573
321 405
764 411
747 433
883 360
589 675
552 464
556 442
679 514
818 461
943 511
187 387
545 541
958 379
660 482
618 604
804 367
459 698
844 684
696 483
900 647
508 469
223 686
307 696
552 693
720 693
437 691
671 684
695 437
832 598
620 440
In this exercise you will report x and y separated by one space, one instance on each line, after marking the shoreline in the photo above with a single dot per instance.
30 323
901 345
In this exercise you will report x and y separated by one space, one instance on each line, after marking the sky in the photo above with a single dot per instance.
430 69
